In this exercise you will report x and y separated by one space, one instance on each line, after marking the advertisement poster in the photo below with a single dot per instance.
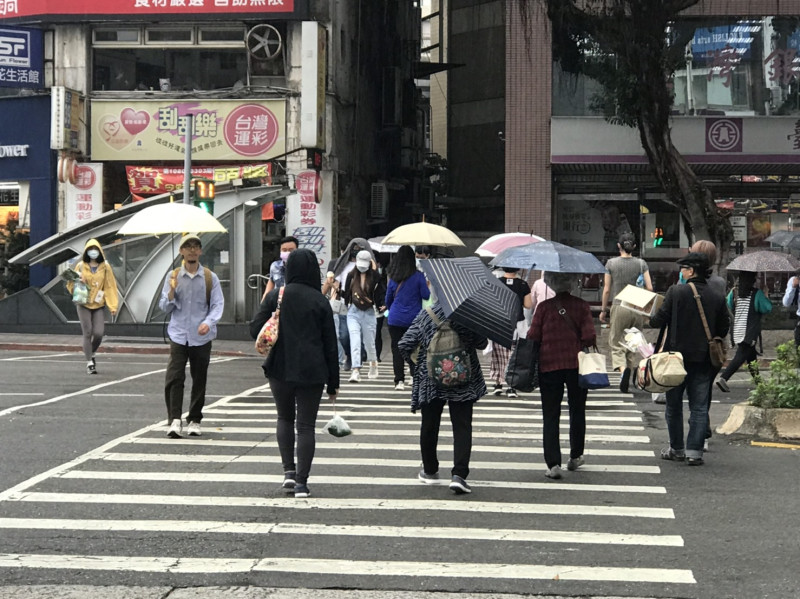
310 220
84 200
21 56
156 130
154 180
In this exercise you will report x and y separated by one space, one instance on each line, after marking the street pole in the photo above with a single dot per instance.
187 162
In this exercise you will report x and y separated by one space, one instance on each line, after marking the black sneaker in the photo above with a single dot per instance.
511 392
695 461
723 385
625 380
91 368
498 390
459 486
670 454
301 491
288 480
428 479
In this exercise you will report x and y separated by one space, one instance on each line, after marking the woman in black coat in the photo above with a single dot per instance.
302 362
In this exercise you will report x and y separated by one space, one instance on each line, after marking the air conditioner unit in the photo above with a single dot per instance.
378 200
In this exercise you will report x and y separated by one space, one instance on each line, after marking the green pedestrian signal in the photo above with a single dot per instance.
204 192
658 237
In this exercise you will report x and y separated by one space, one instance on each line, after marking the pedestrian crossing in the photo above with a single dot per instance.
213 505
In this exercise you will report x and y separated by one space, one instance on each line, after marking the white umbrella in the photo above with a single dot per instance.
423 234
172 217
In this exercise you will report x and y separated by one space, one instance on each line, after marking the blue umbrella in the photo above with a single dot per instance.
472 296
550 256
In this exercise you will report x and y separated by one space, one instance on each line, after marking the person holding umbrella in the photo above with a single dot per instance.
748 304
620 272
562 326
500 354
405 293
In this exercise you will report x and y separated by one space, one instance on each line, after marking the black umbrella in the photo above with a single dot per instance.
472 296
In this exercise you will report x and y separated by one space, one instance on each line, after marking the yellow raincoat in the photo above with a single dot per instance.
102 279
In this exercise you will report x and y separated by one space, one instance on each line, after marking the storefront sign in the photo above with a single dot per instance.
221 130
21 56
84 199
133 8
724 135
150 180
311 222
66 115
14 151
312 85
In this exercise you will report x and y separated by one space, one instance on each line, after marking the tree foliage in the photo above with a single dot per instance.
632 48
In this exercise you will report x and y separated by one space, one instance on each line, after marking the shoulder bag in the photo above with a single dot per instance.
522 372
591 364
661 371
716 345
268 335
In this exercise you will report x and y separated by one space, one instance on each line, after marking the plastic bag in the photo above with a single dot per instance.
80 293
338 427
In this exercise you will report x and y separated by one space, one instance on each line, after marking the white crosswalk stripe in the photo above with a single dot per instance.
365 488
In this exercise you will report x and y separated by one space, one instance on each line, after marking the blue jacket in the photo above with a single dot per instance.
404 301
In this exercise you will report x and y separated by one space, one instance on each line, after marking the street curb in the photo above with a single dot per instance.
770 424
110 349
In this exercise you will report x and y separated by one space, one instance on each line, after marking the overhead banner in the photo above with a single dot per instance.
149 180
156 130
84 199
145 8
21 56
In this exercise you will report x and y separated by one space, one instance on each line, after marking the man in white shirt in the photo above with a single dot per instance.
790 300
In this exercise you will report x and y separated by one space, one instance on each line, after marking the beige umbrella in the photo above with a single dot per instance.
172 217
422 234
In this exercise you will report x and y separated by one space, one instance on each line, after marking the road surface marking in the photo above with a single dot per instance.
407 532
340 461
217 477
348 445
417 505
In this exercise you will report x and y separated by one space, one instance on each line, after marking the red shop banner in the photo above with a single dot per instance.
144 8
153 180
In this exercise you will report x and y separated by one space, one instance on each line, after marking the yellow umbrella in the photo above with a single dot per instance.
172 217
422 234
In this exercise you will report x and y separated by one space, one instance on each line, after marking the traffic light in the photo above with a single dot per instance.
658 237
204 192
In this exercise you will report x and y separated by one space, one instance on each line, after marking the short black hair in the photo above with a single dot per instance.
289 239
423 249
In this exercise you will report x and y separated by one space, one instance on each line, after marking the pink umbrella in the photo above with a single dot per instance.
497 243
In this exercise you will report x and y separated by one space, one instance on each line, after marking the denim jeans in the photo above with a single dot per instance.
342 339
699 376
361 325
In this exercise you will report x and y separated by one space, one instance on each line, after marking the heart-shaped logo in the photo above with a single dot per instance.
112 132
134 121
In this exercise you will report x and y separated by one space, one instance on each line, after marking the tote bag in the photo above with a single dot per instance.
268 335
661 372
592 370
522 373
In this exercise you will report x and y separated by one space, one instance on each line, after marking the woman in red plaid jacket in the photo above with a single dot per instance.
561 327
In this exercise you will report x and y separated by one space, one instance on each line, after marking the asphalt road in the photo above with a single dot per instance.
93 493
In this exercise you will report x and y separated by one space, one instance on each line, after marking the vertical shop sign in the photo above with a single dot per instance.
310 219
84 199
312 85
65 118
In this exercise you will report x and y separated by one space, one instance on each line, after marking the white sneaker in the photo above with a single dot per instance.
175 429
193 429
373 370
401 386
355 376
554 472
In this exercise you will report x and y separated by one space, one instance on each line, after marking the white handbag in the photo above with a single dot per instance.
592 370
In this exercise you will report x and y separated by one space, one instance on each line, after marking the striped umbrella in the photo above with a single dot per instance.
472 296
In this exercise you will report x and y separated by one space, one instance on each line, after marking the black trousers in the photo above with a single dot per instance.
461 419
398 363
297 405
551 386
745 353
198 357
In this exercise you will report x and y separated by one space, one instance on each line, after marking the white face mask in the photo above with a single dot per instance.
362 268
93 254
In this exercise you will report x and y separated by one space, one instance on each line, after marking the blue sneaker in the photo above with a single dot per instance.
428 479
288 480
301 491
